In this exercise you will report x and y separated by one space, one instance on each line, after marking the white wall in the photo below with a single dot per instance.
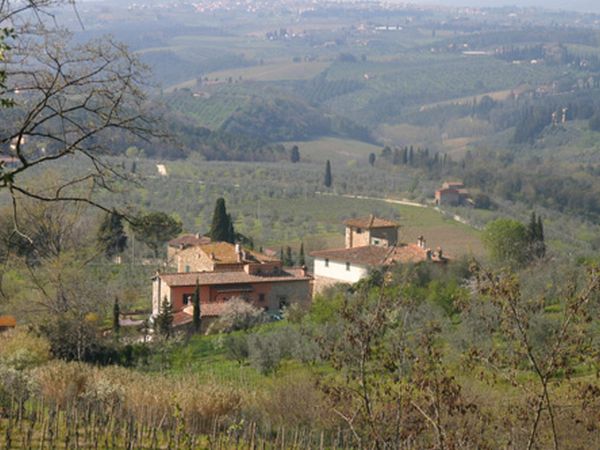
160 289
337 271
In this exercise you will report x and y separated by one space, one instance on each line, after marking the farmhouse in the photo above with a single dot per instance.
225 271
371 242
271 292
196 253
452 193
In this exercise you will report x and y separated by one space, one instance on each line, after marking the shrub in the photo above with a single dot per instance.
237 315
21 350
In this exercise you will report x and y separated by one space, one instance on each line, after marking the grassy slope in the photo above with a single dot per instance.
335 149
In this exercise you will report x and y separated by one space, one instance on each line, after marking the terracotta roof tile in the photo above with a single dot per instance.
372 255
8 321
213 309
224 253
189 240
229 277
370 222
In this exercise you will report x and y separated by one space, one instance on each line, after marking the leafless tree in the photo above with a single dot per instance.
65 102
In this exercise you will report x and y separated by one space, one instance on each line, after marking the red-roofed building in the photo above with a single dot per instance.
452 193
268 286
378 246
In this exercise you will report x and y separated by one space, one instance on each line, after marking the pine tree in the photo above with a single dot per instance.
164 321
222 227
116 325
196 314
328 178
301 258
111 236
295 154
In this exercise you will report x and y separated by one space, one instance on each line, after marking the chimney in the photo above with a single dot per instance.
238 253
198 235
421 242
212 256
303 271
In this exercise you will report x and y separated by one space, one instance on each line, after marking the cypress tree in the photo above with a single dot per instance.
295 154
116 325
196 315
221 228
301 258
289 259
164 321
541 246
230 231
372 159
328 178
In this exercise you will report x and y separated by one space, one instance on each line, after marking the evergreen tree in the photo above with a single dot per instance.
164 321
281 255
133 167
411 156
301 258
222 227
231 237
155 229
196 314
405 156
289 259
535 236
111 236
116 325
541 244
295 154
328 178
372 159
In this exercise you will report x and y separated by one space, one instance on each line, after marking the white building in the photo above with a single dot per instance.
370 243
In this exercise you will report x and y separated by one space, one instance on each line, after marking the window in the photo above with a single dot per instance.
283 301
261 298
358 231
326 262
348 266
187 268
188 298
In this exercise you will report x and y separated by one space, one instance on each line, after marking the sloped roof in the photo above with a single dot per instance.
225 253
189 240
373 255
229 277
370 222
8 321
368 255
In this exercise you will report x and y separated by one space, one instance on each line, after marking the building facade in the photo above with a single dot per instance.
370 243
270 292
